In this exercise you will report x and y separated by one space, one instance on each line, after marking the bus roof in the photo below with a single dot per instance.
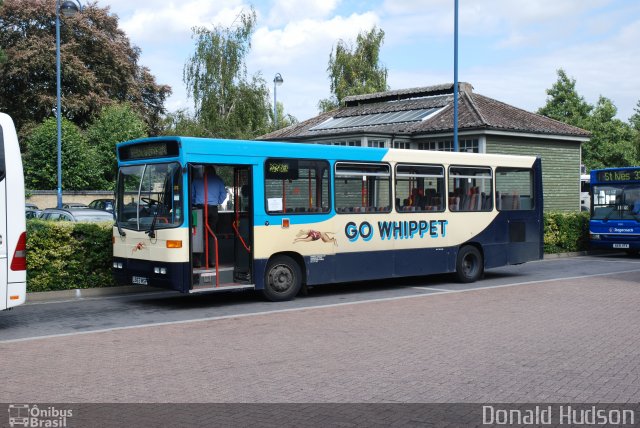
199 149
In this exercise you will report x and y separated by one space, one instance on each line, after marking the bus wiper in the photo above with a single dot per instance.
151 232
120 231
615 209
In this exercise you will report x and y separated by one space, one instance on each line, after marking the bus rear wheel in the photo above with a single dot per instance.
469 264
283 279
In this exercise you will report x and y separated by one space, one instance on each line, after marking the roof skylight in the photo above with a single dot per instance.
375 119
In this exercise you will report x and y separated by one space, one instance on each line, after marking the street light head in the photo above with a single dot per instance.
278 79
70 8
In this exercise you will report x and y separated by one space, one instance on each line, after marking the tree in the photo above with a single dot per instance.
80 163
634 120
2 56
563 102
284 119
116 123
99 66
227 103
612 141
356 71
181 122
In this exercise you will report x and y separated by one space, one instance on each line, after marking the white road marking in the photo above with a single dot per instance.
332 305
432 289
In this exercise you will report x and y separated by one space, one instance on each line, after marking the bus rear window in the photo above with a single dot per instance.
296 186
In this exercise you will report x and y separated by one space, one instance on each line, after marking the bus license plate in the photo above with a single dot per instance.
620 245
140 280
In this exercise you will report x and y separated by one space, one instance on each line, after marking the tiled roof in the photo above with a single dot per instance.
475 111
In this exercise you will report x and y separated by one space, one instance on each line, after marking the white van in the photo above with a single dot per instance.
13 230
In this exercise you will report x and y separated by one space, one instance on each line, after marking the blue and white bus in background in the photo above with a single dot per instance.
307 214
13 230
615 209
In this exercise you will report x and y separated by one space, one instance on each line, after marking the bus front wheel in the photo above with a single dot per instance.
469 265
283 279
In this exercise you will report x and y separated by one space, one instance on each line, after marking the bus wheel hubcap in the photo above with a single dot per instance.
468 265
281 278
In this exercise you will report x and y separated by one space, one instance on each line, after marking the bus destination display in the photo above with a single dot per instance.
619 175
159 149
282 169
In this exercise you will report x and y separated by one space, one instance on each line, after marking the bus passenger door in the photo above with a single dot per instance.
242 224
221 254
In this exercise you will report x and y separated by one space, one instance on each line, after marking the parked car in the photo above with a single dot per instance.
76 214
31 206
32 213
68 205
102 204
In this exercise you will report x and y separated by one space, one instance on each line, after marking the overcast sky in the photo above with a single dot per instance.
508 49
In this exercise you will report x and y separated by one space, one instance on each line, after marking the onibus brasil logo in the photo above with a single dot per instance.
25 415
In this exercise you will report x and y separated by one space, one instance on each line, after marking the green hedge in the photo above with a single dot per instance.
566 232
66 255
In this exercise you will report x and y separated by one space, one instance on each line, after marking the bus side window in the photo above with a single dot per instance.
471 188
423 185
296 186
362 187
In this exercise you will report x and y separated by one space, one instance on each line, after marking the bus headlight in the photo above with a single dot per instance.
595 236
160 270
117 265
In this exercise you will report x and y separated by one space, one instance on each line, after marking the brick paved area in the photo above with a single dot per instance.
575 341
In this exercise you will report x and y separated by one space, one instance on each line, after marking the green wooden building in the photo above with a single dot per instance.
422 119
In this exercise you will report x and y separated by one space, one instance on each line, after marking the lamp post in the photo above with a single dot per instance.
455 76
67 8
277 81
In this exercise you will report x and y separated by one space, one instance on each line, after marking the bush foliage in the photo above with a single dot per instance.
566 232
65 255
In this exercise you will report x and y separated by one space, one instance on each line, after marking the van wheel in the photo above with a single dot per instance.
283 279
469 264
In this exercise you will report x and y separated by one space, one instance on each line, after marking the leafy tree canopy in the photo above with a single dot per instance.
116 123
2 56
80 164
635 118
227 102
99 66
563 102
613 143
356 70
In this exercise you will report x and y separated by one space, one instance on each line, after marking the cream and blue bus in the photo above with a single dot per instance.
13 235
302 215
